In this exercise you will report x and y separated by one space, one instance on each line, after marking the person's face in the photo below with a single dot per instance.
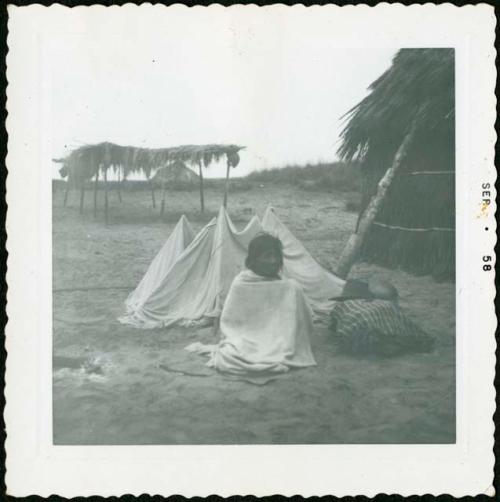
268 263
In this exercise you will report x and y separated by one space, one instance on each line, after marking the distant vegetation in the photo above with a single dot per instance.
321 177
325 177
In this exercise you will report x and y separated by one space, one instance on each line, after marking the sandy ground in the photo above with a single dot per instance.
127 397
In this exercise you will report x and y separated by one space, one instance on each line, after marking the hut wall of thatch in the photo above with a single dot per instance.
415 226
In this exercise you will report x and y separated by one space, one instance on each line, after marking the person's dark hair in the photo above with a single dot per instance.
261 243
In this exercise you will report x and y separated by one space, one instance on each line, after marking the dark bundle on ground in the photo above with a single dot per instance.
415 227
375 327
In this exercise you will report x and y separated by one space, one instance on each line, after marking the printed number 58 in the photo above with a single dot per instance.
486 266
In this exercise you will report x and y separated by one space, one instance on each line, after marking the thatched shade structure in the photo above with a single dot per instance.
415 225
85 162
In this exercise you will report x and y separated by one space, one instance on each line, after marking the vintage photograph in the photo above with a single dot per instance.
251 250
253 244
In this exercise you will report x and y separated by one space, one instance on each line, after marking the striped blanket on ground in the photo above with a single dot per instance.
375 327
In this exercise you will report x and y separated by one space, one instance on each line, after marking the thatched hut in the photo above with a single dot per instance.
175 172
415 225
91 161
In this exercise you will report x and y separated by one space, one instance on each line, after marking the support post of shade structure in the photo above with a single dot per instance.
119 185
95 191
163 190
153 199
202 199
82 196
226 185
66 193
106 194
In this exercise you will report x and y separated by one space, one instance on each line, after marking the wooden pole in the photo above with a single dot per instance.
119 185
95 191
226 186
202 199
82 195
66 193
162 210
152 193
353 246
106 194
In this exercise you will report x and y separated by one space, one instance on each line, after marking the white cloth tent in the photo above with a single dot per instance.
175 245
190 277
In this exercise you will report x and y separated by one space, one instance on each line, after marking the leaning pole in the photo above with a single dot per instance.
226 185
353 246
202 198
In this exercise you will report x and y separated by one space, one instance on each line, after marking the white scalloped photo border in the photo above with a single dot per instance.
35 466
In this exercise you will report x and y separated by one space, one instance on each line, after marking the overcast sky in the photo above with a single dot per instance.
265 85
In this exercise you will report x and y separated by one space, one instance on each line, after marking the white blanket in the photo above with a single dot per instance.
265 327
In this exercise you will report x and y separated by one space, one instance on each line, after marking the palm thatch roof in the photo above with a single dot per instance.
83 162
417 89
415 224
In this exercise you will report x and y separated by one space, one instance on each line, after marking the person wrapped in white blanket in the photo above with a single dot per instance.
266 320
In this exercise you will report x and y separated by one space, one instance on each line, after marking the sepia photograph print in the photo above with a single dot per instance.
195 308
254 230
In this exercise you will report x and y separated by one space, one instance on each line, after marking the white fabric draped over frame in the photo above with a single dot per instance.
190 278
